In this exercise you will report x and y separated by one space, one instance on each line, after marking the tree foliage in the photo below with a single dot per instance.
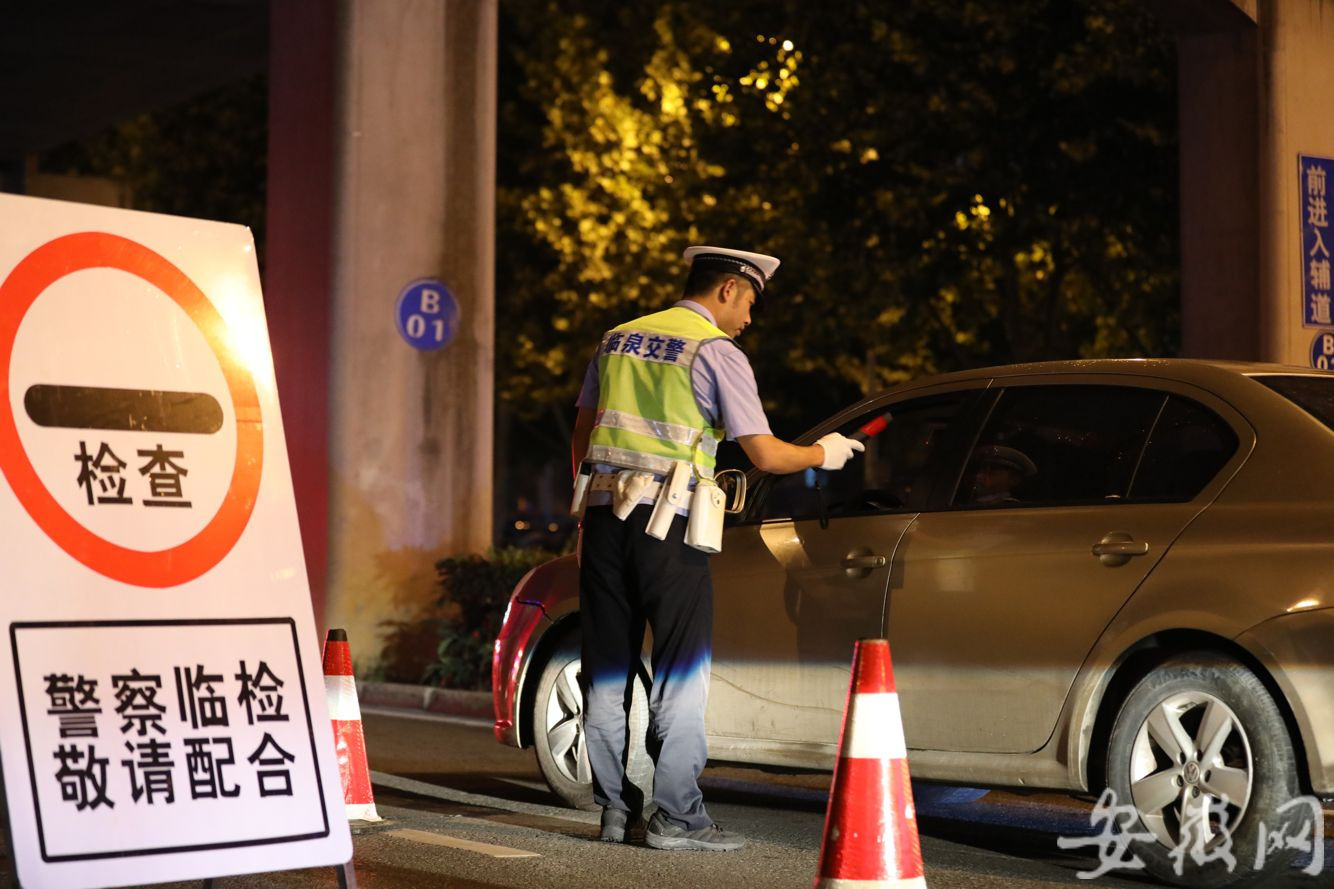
206 157
947 185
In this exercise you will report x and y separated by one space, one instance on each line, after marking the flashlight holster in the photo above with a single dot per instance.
704 531
580 498
672 496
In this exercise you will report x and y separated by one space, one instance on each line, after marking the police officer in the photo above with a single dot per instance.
665 389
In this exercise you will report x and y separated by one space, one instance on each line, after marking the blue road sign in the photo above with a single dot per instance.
1317 282
427 315
1322 351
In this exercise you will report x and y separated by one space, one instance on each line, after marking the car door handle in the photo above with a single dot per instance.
856 561
1117 548
1120 549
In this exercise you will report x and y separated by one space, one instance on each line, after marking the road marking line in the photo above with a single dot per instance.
426 716
526 785
436 791
439 839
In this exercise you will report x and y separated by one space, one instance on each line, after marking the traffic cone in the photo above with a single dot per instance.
870 830
340 688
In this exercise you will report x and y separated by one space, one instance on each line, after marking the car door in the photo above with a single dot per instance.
996 599
805 576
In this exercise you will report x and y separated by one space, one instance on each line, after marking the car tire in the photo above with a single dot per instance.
558 733
1196 729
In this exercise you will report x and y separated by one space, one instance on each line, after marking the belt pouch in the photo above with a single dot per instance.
580 497
704 531
630 486
671 496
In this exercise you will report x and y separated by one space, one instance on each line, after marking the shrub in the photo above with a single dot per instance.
450 646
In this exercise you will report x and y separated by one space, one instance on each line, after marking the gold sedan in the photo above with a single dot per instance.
1093 575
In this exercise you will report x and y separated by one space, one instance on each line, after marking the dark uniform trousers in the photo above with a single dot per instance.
625 579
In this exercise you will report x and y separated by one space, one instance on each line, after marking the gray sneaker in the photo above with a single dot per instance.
662 834
613 825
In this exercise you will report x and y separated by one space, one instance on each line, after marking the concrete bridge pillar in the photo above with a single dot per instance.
1255 92
399 180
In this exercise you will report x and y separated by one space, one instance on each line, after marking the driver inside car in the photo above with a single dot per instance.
998 471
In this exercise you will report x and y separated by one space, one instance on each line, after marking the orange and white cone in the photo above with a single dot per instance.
870 831
340 688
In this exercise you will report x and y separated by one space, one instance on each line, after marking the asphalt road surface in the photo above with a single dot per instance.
460 811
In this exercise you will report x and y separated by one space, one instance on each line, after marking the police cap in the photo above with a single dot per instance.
757 268
1008 458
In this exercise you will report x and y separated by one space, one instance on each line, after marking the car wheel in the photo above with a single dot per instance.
1201 761
558 733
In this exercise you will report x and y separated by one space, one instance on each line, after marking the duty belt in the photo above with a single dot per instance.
606 481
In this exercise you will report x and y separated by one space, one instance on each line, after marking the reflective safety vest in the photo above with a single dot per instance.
647 416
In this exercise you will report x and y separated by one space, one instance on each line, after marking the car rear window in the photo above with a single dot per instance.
1315 395
1187 447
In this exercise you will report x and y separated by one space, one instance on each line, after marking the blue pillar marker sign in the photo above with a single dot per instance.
427 315
1322 351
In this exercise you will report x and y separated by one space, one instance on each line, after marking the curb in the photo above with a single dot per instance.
445 701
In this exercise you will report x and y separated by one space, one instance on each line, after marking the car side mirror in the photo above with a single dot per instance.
732 482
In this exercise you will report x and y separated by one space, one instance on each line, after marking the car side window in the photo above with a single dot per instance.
891 475
1058 445
1187 447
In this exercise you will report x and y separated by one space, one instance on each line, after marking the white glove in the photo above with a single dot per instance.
838 449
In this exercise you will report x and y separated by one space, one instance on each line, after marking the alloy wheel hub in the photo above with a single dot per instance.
1191 770
565 726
